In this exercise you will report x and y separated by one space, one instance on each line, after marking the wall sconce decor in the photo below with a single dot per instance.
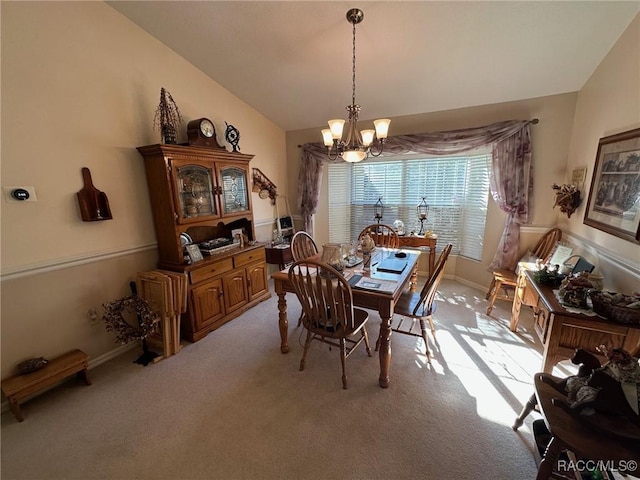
378 210
423 211
567 198
264 187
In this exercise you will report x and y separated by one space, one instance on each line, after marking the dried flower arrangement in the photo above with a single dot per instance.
567 198
167 118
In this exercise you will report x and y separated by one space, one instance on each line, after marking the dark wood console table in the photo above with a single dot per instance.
279 255
562 332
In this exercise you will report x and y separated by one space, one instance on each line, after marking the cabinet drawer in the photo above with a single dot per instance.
210 270
249 257
529 295
541 319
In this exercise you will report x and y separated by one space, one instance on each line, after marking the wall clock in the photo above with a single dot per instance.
202 132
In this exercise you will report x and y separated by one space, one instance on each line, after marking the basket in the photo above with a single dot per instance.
602 306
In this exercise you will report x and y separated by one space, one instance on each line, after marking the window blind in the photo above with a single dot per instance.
456 188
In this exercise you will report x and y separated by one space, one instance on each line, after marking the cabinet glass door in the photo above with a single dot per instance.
195 192
235 196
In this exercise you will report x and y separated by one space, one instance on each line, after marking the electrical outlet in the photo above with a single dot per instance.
92 314
20 194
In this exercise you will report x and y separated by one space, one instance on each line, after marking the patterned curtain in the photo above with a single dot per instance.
511 181
511 185
309 181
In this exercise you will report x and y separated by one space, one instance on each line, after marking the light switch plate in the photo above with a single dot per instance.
9 198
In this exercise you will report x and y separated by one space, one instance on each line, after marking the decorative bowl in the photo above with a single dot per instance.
616 306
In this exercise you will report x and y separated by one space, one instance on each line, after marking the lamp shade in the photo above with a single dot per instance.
367 137
354 156
327 137
336 125
382 127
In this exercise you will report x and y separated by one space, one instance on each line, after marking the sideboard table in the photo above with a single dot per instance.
416 241
562 331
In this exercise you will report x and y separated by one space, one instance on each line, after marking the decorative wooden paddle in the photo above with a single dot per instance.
94 205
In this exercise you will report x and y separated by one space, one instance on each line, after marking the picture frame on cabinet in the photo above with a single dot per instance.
194 253
614 198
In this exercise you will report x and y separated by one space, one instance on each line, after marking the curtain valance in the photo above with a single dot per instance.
511 177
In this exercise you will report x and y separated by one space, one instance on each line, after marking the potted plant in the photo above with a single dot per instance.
167 118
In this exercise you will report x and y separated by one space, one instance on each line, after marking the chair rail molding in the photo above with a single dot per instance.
602 253
59 264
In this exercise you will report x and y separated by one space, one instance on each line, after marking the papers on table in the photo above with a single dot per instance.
374 284
560 254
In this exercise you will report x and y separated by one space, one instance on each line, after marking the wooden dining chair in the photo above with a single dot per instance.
506 280
382 235
302 246
420 306
329 314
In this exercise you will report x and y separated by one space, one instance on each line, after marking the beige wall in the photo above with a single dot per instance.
609 103
80 84
550 140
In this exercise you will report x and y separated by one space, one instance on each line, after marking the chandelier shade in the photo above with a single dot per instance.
357 145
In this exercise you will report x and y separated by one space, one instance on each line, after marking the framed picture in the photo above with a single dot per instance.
236 234
577 176
194 253
614 198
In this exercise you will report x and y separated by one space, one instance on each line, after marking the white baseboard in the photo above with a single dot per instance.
468 283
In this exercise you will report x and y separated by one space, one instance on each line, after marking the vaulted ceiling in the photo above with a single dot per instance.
291 60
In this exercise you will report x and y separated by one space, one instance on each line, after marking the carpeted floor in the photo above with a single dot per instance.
231 406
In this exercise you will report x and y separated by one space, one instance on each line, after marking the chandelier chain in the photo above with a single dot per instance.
353 97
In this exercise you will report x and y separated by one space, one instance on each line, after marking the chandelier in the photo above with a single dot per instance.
357 145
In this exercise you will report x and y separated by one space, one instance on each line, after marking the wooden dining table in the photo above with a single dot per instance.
381 301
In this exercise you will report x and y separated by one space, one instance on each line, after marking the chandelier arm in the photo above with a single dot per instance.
334 156
377 147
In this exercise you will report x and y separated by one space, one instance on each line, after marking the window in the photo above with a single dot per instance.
456 188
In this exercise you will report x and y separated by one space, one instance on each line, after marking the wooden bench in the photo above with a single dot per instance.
19 387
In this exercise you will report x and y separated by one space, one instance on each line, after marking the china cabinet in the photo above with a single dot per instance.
200 196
